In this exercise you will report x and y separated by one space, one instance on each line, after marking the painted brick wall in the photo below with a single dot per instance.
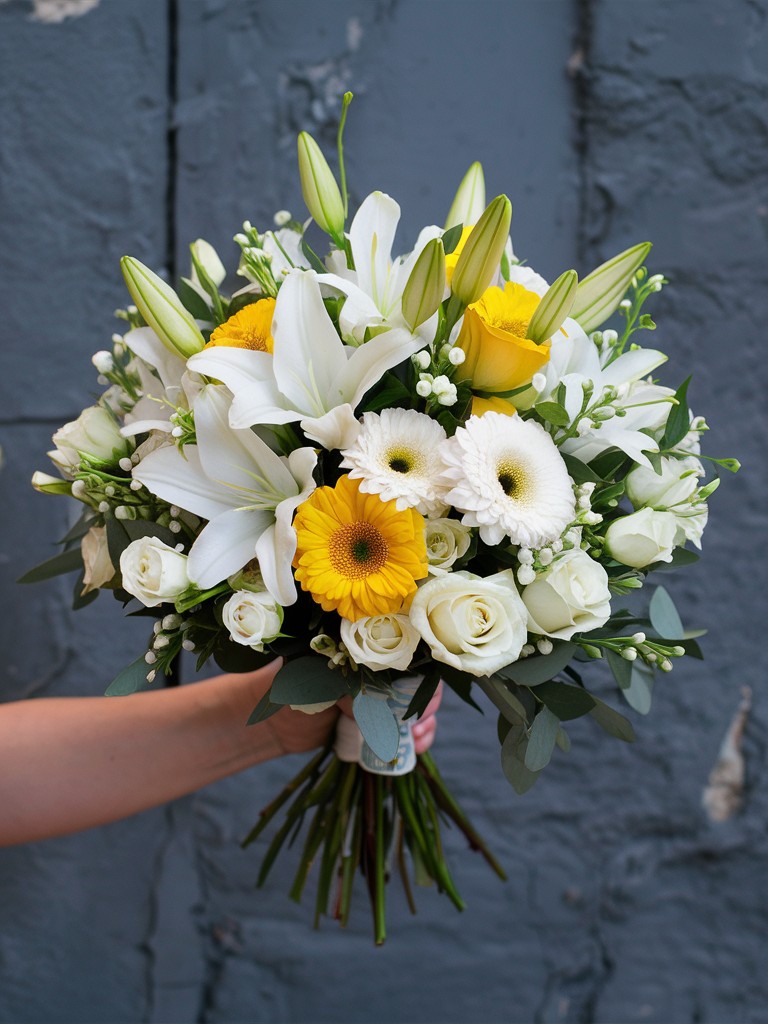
139 126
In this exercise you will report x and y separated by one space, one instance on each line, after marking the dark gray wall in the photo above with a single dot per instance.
141 125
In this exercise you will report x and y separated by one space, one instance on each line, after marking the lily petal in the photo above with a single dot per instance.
370 361
337 429
633 365
235 367
371 236
225 545
180 480
144 343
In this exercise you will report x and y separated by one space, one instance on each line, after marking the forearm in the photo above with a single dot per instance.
72 763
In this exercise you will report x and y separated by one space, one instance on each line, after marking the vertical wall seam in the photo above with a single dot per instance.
171 148
582 91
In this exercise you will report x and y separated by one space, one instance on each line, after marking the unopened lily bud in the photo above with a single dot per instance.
470 198
424 289
600 292
162 309
319 188
554 307
479 259
103 361
208 259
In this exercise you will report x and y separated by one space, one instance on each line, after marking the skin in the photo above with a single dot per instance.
71 763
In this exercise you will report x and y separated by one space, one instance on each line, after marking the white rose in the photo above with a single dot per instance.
380 641
474 624
153 572
678 480
252 618
98 565
94 433
642 538
446 540
570 596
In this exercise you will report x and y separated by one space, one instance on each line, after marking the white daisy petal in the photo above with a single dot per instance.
509 479
397 456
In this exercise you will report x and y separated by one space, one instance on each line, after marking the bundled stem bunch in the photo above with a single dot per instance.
366 821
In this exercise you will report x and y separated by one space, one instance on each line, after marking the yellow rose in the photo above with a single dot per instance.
499 357
495 404
452 258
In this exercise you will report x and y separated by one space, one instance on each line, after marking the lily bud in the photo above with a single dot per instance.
208 259
554 307
162 309
424 289
319 188
600 293
470 198
482 251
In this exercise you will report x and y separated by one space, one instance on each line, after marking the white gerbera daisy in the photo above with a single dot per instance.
397 456
509 479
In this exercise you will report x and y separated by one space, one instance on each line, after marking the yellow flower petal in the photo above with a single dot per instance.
250 328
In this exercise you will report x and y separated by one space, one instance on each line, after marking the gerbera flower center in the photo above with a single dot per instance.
511 480
357 550
401 460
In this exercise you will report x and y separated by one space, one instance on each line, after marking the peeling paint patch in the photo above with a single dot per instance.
725 792
53 12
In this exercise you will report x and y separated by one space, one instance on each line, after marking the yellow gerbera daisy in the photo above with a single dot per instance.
250 328
357 554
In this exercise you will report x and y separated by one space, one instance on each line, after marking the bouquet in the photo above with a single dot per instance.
388 472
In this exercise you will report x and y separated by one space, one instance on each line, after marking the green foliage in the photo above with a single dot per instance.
264 710
424 693
612 722
132 678
308 680
553 413
65 561
664 616
377 723
564 700
538 669
513 751
451 238
541 740
678 421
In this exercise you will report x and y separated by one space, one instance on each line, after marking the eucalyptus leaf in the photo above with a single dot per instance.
563 740
308 680
65 561
264 710
612 721
502 699
513 761
621 668
541 740
565 701
664 616
138 528
680 557
638 693
377 723
461 684
538 669
117 540
424 694
131 679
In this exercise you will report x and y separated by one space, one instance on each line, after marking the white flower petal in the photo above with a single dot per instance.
225 545
633 365
235 367
180 480
337 429
147 346
371 236
368 363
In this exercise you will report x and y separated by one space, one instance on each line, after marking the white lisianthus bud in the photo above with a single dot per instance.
319 188
448 397
678 480
424 388
103 361
150 657
545 646
153 572
666 665
571 596
546 555
281 218
98 567
126 465
476 625
252 619
479 259
447 540
527 651
629 654
172 621
188 645
421 359
638 638
539 382
457 356
162 309
525 556
526 575
642 538
380 642
592 518
78 490
424 288
94 433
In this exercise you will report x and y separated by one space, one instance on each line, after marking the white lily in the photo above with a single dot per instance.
573 360
374 289
246 491
312 376
175 386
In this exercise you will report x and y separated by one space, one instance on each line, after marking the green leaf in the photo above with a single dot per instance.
424 693
131 679
608 463
664 617
564 700
536 670
81 527
621 668
678 421
461 684
613 722
513 751
308 680
553 413
79 599
451 238
234 657
393 391
562 740
264 710
65 561
117 540
688 644
580 471
377 724
138 528
503 394
541 740
680 557
313 259
193 302
502 699
638 693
